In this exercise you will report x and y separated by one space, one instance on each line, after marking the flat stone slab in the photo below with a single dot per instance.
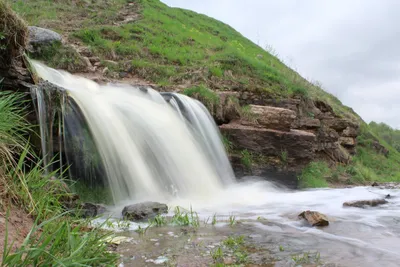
365 203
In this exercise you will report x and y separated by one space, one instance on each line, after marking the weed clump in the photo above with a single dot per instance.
13 34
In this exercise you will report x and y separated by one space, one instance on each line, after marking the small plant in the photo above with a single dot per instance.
281 248
141 230
227 143
232 220
214 219
247 158
159 220
234 242
284 157
300 91
247 114
122 224
241 257
186 218
217 255
306 258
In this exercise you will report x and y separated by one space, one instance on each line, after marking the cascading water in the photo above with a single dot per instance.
204 128
149 148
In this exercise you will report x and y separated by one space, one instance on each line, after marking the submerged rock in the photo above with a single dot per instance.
144 211
365 203
314 218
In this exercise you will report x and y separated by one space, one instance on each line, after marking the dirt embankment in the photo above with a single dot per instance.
17 224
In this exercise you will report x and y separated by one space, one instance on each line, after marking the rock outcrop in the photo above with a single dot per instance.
286 134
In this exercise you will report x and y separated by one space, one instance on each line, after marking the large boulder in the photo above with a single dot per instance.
144 211
39 37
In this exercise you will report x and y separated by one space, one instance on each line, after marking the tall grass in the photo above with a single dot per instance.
13 129
57 238
60 242
315 175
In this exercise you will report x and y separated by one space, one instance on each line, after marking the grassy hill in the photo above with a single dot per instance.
171 46
177 48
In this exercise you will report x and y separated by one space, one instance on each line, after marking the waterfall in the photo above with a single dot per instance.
151 145
205 129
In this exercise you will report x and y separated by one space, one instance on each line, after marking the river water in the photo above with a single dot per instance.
268 218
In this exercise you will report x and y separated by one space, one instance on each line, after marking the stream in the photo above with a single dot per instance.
266 215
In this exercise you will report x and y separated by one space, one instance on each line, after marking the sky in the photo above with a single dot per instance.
351 47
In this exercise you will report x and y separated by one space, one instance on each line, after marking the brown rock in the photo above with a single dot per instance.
309 123
111 62
272 117
327 135
228 107
323 106
94 60
350 132
364 203
89 65
299 145
347 141
341 124
290 103
314 218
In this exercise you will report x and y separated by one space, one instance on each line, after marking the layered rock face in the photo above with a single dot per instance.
284 136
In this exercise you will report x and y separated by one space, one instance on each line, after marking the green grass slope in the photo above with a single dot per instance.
172 46
375 161
177 48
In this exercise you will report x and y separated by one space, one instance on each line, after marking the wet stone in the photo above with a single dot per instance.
144 211
314 218
92 210
365 203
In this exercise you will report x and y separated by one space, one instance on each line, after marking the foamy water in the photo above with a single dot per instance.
355 236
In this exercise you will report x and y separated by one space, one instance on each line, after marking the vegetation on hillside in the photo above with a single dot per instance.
387 133
369 164
172 46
